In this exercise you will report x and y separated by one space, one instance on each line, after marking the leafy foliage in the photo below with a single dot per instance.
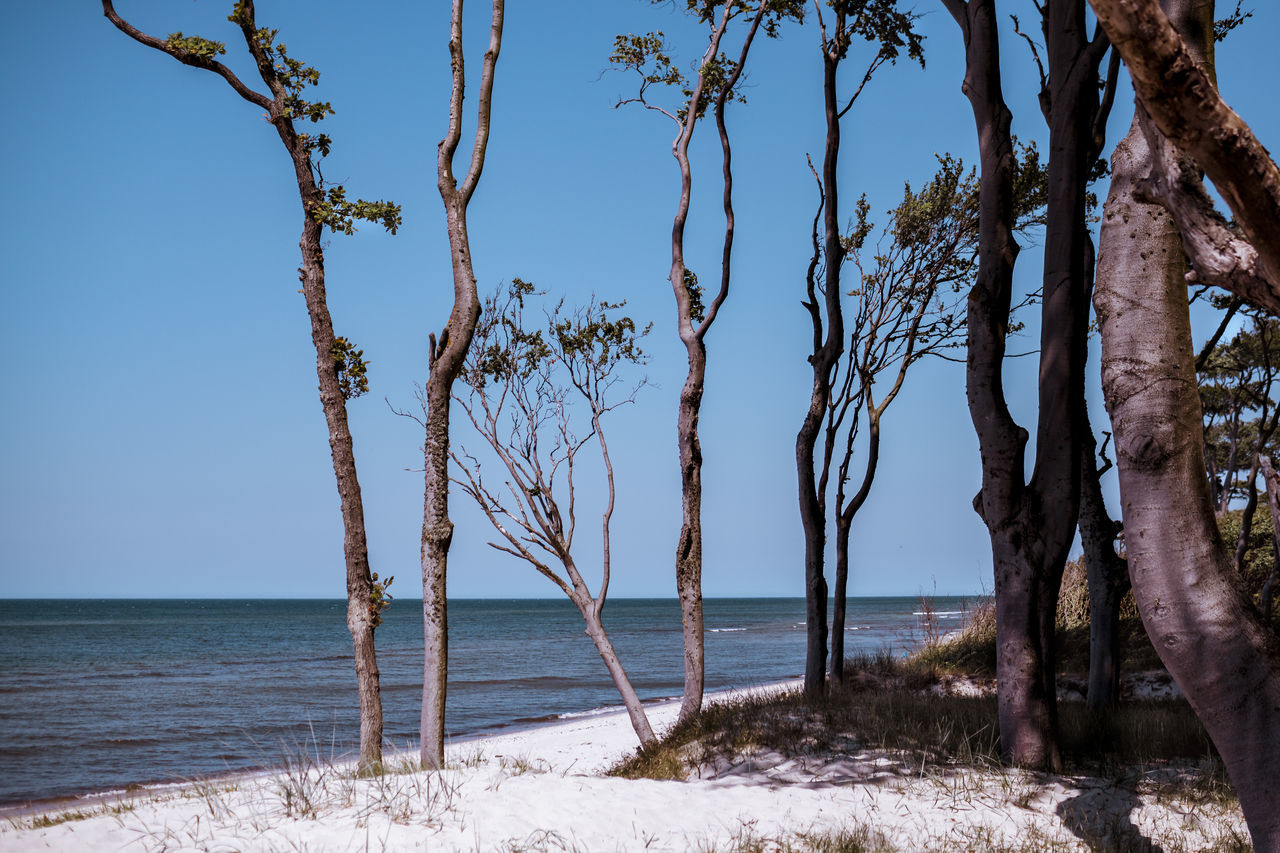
1223 26
1238 383
339 214
697 304
379 598
351 368
649 58
878 22
196 46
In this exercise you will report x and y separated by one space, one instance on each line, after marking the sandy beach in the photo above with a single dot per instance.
544 789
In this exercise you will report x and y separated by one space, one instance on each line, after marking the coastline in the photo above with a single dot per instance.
543 788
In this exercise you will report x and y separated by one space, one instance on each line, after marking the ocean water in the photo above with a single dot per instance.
96 695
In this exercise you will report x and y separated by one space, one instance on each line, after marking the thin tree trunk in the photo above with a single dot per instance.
1272 481
1108 580
689 545
827 350
1223 659
1241 550
635 710
445 360
355 546
841 600
693 333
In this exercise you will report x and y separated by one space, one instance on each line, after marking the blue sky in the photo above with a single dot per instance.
162 435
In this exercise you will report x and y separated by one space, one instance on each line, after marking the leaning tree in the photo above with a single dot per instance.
527 383
340 367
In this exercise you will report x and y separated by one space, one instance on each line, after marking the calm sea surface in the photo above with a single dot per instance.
95 695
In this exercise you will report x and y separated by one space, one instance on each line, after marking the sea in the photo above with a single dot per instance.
99 695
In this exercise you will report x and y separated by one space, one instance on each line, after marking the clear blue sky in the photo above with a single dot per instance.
162 435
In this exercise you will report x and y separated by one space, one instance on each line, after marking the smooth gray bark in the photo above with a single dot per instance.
445 359
1199 622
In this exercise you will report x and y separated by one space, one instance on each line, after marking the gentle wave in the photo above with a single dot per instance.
724 630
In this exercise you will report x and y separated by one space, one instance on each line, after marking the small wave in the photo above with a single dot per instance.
594 712
724 630
941 614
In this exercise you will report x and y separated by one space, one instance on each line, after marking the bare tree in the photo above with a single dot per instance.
445 360
1217 649
715 82
525 386
340 367
890 30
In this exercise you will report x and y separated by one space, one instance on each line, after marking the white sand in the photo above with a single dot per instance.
543 789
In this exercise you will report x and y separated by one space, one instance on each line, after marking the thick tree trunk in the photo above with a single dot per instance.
1206 633
1031 525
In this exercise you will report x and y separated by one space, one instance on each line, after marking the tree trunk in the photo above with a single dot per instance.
1108 580
437 535
841 599
1031 525
355 546
1272 480
1208 637
826 355
635 710
1241 550
445 360
689 546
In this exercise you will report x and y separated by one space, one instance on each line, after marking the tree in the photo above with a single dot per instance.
1106 572
525 386
1031 521
890 30
445 360
716 82
907 304
340 367
1223 658
1077 114
1237 393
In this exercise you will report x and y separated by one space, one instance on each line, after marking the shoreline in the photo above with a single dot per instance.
572 721
543 788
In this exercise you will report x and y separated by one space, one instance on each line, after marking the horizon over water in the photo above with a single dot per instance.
98 694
